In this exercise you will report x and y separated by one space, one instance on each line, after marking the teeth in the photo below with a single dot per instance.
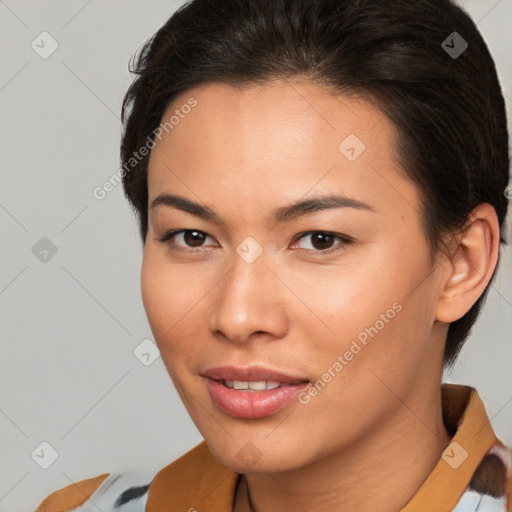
257 385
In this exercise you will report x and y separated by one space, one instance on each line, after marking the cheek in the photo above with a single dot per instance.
338 302
164 298
175 306
153 289
167 290
367 312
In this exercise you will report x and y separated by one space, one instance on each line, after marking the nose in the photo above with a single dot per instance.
249 303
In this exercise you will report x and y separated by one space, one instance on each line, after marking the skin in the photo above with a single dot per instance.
377 425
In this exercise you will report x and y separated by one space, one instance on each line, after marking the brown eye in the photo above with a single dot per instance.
184 238
193 238
323 242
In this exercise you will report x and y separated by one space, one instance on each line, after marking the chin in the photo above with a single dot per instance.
251 457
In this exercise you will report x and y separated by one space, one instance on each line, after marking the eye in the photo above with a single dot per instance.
322 241
192 238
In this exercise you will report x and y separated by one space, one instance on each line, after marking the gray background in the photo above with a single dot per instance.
69 326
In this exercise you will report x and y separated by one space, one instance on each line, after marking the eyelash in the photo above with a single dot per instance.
345 240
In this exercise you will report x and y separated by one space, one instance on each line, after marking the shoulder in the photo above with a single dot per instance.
106 492
196 473
490 487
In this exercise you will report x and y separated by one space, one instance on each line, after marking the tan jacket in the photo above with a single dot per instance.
473 474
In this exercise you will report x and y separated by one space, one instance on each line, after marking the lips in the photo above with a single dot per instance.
251 374
254 392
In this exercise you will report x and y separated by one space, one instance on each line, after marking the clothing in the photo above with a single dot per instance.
473 475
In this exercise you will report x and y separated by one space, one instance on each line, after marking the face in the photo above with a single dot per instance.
335 300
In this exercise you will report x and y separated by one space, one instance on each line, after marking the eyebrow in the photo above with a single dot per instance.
282 214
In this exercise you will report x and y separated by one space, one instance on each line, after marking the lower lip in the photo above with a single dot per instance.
253 404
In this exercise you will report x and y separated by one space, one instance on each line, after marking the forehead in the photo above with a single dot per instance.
261 146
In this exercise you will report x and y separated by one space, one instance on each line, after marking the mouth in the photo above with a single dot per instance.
255 385
254 376
253 392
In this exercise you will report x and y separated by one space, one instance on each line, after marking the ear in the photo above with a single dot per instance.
473 259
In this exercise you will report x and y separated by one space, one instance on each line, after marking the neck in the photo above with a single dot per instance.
380 472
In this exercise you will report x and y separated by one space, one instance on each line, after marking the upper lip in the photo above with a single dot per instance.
250 373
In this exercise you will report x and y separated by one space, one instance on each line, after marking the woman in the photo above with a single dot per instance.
321 191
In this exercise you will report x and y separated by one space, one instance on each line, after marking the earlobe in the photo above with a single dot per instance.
472 264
